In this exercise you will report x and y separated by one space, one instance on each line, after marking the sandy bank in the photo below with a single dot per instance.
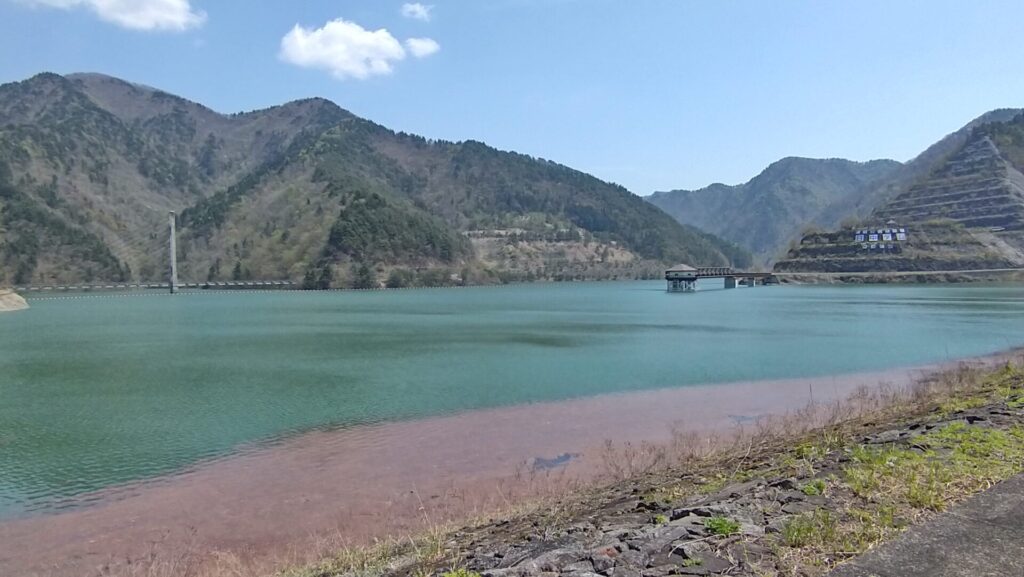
11 301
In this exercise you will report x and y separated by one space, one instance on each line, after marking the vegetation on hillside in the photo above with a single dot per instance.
493 188
38 246
966 213
307 189
369 229
870 198
766 213
938 245
1008 137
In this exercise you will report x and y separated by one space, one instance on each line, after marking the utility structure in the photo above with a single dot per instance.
174 256
682 278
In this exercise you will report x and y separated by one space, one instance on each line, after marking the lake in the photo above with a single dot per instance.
103 390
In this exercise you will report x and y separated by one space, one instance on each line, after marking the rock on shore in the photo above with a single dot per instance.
11 301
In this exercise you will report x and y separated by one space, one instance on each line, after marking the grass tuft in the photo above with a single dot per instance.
815 487
818 526
723 526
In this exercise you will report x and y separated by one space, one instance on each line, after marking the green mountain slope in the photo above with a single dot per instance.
298 191
861 204
768 212
966 213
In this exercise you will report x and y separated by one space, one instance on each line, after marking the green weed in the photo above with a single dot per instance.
815 487
817 527
721 525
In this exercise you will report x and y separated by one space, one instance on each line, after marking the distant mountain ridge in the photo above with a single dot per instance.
966 213
766 213
90 165
865 201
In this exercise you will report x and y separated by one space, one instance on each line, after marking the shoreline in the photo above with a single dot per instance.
373 481
991 276
810 492
972 276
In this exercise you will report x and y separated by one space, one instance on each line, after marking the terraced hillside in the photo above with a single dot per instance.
773 209
977 187
766 213
931 246
967 214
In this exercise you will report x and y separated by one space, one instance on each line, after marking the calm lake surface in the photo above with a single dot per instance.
100 391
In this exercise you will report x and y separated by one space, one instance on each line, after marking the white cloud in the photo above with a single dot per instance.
417 11
347 50
136 14
422 47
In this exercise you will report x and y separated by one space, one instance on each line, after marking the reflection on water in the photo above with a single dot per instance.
101 391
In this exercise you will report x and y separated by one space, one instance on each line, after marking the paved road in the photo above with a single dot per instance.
982 537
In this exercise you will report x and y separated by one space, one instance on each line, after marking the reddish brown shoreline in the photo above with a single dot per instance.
378 480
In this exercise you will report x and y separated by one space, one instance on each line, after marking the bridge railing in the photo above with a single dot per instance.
715 271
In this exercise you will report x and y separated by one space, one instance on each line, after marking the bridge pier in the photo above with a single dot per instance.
730 282
682 285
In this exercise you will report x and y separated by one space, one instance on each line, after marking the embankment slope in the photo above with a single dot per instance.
11 301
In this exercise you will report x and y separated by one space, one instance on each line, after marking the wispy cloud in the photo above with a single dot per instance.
417 11
422 47
347 50
136 14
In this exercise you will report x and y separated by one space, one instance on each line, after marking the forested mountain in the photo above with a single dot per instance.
862 204
966 213
771 211
90 165
766 213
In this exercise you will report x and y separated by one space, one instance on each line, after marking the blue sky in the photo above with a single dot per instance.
652 94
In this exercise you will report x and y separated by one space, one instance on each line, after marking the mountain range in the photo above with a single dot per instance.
965 213
793 196
91 165
767 212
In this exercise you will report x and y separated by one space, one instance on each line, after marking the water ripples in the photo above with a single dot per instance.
100 394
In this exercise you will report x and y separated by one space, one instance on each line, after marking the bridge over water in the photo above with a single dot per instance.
683 278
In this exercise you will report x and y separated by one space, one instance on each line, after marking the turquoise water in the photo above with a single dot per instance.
100 391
